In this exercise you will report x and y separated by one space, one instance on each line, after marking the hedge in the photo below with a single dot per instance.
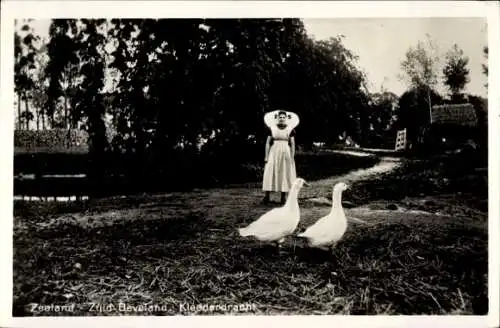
53 140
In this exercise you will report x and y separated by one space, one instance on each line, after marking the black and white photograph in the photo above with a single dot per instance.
253 163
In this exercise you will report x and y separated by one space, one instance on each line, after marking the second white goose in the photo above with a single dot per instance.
328 230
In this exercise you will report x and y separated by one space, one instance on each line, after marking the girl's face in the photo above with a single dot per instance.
281 119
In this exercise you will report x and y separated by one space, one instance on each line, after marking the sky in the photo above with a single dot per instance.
381 44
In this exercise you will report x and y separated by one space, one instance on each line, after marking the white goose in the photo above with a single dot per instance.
328 230
278 223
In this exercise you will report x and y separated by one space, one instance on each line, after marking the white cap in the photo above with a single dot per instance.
271 119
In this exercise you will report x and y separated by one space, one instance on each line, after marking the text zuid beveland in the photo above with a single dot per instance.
129 308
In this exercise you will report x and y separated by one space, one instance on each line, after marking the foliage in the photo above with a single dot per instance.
420 70
481 106
436 175
414 111
24 63
55 139
61 52
195 90
382 118
456 73
81 43
323 85
419 65
39 87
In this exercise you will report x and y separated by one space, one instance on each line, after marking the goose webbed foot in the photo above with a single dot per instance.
333 249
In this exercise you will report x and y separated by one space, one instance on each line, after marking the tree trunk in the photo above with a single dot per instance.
26 108
43 119
19 126
66 125
430 105
37 111
51 120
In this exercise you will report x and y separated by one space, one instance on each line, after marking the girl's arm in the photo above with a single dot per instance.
292 146
268 146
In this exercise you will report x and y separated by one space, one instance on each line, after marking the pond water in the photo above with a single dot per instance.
30 177
22 176
49 199
386 164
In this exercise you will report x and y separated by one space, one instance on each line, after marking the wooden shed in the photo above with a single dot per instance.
463 115
452 125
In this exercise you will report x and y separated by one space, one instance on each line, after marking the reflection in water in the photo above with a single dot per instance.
53 199
22 177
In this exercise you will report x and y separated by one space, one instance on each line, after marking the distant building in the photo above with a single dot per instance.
453 125
463 115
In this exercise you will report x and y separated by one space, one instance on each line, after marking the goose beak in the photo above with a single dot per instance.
306 184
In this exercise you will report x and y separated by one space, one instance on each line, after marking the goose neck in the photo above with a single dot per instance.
337 199
291 201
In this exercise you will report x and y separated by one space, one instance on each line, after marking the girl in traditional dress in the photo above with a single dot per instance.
279 171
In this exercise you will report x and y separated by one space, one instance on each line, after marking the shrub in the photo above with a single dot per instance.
53 140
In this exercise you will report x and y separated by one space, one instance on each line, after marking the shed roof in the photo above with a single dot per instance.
454 114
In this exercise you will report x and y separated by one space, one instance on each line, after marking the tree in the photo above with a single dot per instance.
382 117
420 65
481 107
456 73
321 82
189 89
24 53
80 43
39 87
420 71
414 112
27 117
61 70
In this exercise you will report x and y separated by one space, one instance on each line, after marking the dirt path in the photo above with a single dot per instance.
386 164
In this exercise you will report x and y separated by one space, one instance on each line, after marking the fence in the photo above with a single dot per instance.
400 140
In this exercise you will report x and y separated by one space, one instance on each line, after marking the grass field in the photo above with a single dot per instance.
419 249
